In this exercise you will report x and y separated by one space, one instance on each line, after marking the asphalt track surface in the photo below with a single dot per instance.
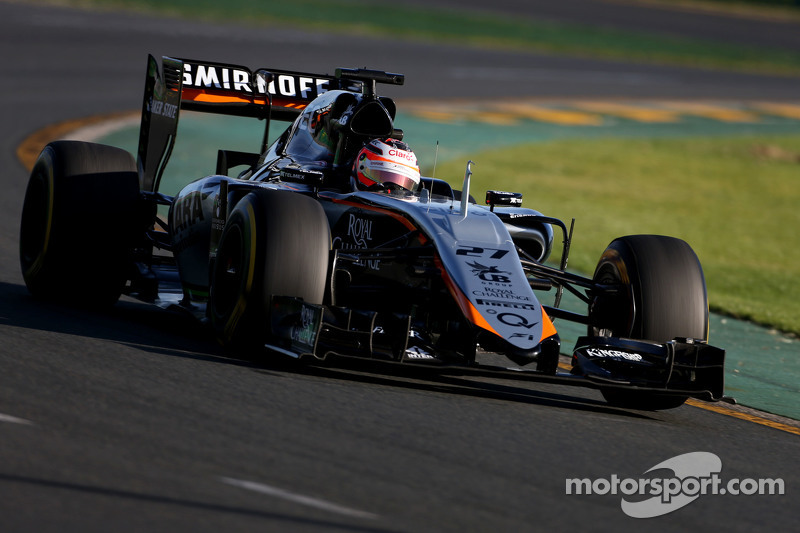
646 17
133 420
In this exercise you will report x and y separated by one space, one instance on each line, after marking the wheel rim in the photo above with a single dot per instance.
621 306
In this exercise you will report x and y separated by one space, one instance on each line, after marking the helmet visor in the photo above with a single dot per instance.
406 180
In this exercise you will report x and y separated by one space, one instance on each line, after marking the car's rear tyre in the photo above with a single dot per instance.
275 243
78 223
662 296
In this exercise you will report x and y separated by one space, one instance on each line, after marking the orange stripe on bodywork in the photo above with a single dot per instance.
281 102
548 329
225 97
472 314
217 97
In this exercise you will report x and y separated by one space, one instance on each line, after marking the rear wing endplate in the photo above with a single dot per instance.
160 111
217 88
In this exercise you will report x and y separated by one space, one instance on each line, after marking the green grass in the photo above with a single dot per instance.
735 200
411 22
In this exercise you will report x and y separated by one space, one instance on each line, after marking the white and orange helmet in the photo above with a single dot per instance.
389 163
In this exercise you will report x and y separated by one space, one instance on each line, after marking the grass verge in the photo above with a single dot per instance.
479 29
736 200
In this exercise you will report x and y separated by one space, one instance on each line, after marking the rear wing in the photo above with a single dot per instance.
236 90
218 88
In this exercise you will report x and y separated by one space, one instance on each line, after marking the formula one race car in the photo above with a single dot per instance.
331 242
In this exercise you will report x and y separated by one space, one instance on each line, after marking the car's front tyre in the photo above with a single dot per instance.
275 243
661 296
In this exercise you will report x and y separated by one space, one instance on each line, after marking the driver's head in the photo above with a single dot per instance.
388 164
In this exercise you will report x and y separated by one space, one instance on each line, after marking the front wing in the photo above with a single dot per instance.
681 367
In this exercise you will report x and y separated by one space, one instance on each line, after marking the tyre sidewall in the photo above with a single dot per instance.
232 305
78 222
280 241
663 292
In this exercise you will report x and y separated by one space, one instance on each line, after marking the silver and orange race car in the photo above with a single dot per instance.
328 241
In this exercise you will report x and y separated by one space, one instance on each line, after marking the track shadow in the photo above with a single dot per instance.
431 380
173 334
131 323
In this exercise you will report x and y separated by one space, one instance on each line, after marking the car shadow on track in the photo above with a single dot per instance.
130 323
396 375
173 334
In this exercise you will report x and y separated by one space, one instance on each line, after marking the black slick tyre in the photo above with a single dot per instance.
275 243
662 295
78 223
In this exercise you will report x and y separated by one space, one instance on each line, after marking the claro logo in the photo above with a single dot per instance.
409 156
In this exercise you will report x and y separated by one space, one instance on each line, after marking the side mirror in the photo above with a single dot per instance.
503 198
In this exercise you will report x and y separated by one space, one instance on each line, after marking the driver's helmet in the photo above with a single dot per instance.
388 164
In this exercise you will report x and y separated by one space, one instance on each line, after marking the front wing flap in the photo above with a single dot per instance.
684 366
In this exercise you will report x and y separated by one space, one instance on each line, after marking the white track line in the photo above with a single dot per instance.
14 420
297 498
